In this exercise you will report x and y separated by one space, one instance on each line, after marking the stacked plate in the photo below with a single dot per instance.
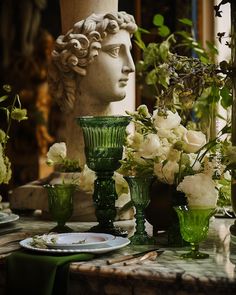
76 243
6 218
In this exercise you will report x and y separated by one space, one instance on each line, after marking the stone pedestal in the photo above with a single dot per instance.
33 196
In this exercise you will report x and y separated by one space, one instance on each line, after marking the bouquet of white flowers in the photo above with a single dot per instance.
162 146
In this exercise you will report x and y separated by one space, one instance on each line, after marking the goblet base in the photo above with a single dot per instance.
61 229
115 231
195 255
142 240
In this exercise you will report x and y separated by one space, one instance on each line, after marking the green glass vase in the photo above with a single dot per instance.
194 225
139 192
60 205
104 137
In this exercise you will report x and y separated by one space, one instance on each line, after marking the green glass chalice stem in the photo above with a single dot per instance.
104 137
104 198
139 192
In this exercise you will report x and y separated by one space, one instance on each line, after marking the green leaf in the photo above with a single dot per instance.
151 54
3 109
142 30
2 98
226 100
151 77
139 40
184 34
158 20
186 21
140 44
212 47
164 50
164 31
8 114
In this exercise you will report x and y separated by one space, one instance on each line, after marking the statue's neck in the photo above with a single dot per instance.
84 106
87 105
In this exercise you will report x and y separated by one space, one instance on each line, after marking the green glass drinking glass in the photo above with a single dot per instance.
194 226
139 192
104 137
60 205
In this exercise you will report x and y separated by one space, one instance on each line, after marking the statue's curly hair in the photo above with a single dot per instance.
75 50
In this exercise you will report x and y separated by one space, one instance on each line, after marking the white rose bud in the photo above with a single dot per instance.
143 110
86 179
172 120
166 173
149 147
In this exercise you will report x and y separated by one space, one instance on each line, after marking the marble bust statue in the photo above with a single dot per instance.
90 69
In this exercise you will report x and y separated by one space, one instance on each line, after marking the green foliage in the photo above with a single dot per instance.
195 86
224 193
182 82
10 106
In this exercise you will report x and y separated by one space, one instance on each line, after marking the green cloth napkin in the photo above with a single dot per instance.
39 274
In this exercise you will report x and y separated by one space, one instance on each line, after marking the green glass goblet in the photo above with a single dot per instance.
60 205
194 225
104 137
139 192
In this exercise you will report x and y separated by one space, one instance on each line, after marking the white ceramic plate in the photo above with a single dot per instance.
9 218
112 245
3 215
77 240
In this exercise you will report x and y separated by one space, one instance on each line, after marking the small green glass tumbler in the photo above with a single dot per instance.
60 205
194 226
139 192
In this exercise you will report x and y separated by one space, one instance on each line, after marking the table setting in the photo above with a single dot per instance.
41 262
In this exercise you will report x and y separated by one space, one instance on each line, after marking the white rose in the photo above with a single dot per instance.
180 131
200 190
120 183
165 133
193 140
196 165
227 176
86 179
135 140
149 146
172 120
57 153
166 173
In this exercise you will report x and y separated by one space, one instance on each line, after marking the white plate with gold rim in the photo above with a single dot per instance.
111 245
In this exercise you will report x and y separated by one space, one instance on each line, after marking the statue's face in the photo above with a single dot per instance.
108 74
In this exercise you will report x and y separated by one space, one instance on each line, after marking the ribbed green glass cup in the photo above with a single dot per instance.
139 192
194 226
60 205
104 137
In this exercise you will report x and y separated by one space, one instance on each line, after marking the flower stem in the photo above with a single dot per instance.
9 122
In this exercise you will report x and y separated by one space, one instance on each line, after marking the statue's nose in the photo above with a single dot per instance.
128 66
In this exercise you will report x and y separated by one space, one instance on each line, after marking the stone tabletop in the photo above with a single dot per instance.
168 273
